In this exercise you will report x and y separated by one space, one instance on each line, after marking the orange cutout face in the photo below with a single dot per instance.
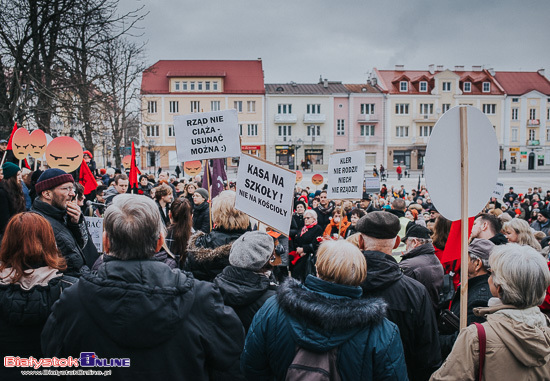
317 179
21 143
299 176
64 153
127 161
38 144
192 168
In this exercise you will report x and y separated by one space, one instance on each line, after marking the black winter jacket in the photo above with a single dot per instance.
307 241
70 238
245 291
410 307
170 325
201 217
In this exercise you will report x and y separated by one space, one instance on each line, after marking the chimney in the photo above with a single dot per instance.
325 83
541 72
399 67
459 68
431 68
491 71
476 68
440 68
320 78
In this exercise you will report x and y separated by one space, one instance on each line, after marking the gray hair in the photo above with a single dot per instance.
522 273
133 226
310 213
484 262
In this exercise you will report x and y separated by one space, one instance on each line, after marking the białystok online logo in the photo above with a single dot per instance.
87 359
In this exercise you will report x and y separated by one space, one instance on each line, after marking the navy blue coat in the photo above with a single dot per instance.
319 316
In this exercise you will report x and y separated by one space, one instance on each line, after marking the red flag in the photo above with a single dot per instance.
134 171
453 246
11 136
86 178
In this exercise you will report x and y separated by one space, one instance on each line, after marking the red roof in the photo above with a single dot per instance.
239 77
519 83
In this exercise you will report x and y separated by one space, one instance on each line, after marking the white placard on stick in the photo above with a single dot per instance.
499 191
95 227
443 158
265 192
208 135
372 184
345 175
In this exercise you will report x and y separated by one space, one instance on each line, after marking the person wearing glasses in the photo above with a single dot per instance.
56 193
306 245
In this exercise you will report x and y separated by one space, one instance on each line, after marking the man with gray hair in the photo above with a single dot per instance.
166 323
479 293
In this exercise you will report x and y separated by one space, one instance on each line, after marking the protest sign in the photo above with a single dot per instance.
208 135
372 184
499 191
317 179
345 175
21 144
95 227
265 192
64 153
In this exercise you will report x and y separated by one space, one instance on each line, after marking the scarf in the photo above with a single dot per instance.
329 209
307 227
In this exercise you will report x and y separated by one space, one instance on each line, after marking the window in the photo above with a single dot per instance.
195 106
548 114
251 106
515 113
174 107
184 86
238 105
177 86
152 107
489 108
215 105
340 127
402 108
367 108
514 134
240 129
207 85
402 131
367 130
215 86
285 130
515 100
199 86
486 87
153 131
423 86
548 134
446 86
467 87
426 108
445 107
171 131
532 113
192 86
425 131
313 130
313 109
403 86
284 109
252 130
532 134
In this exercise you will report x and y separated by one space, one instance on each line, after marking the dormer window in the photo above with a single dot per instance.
423 86
446 86
467 87
486 87
403 86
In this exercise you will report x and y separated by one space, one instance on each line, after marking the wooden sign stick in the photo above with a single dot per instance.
464 217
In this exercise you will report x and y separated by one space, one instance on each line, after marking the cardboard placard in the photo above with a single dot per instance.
499 191
372 184
345 175
95 227
265 191
208 135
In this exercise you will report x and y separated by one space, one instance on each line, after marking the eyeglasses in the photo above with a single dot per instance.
67 189
310 218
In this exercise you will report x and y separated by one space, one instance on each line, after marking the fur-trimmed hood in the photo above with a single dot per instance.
324 314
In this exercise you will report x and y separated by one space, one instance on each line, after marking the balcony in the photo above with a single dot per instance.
368 118
286 118
533 123
368 140
312 140
315 118
282 139
426 118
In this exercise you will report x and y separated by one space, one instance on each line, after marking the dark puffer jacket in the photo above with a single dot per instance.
170 325
319 316
70 238
201 217
410 307
245 291
24 309
208 254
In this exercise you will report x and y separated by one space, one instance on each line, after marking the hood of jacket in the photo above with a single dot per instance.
241 287
425 249
382 270
143 296
206 248
323 315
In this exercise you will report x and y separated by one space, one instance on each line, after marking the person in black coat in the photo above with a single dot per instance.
324 210
306 244
201 211
12 198
297 222
167 323
409 304
245 284
163 198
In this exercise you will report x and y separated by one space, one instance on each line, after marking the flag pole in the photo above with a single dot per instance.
464 217
209 193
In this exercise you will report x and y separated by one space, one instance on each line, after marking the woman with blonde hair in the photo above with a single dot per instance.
518 231
325 315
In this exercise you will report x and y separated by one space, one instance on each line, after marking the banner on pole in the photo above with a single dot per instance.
265 191
345 175
208 135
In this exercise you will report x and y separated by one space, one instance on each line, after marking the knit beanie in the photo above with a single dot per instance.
52 178
9 169
252 250
203 192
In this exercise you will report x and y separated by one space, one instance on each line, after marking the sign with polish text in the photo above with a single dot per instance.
345 175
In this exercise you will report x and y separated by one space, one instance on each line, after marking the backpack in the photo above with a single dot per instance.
313 366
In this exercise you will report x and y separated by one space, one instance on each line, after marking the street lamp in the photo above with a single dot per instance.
295 148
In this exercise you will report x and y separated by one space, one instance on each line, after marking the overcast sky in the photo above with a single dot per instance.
343 40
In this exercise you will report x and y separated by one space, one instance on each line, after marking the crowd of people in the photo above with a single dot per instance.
189 287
